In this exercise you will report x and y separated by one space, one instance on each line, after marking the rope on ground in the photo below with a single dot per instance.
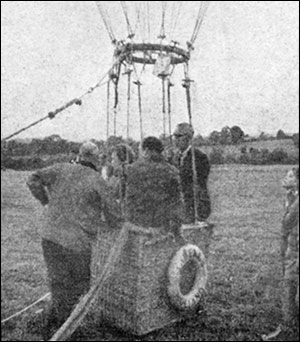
46 296
77 101
85 303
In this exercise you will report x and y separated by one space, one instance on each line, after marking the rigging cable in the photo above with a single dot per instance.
115 79
201 14
129 28
173 27
128 100
108 109
139 23
106 22
77 101
148 16
162 34
187 86
170 84
163 79
139 84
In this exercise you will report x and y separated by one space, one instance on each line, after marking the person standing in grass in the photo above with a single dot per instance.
183 160
76 202
290 224
153 193
289 250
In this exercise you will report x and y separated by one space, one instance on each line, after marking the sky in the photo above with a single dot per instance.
245 67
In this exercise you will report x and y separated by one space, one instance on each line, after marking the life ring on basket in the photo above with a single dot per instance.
188 257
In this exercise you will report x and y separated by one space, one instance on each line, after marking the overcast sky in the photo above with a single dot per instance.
245 66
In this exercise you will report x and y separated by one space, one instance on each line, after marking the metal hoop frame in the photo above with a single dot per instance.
128 52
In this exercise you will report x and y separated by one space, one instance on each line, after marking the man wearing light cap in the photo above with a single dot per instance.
75 201
183 135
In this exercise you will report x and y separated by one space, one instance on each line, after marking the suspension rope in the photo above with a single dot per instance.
187 86
163 80
139 84
115 80
145 20
170 85
173 27
138 17
108 109
162 34
128 101
77 101
148 16
201 14
106 22
138 9
125 11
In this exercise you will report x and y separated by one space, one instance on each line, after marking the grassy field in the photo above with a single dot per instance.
243 299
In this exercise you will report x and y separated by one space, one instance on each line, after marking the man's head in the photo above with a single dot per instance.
291 180
121 154
89 152
152 145
183 135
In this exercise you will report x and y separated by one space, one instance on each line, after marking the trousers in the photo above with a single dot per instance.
68 277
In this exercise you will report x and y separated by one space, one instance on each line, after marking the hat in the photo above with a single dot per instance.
89 150
184 129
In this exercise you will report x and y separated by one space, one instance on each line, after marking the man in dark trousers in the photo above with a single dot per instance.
75 198
184 161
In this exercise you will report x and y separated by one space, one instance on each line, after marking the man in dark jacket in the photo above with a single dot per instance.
184 161
75 200
153 192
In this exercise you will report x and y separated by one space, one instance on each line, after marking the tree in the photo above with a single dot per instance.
199 140
215 137
226 136
263 136
280 135
237 134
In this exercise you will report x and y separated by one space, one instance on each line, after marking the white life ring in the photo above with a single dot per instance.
190 300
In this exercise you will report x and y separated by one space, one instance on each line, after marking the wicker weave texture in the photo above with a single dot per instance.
135 297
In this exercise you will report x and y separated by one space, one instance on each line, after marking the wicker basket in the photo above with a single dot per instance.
134 298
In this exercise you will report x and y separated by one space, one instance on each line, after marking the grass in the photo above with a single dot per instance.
243 299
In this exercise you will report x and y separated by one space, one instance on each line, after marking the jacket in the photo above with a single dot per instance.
76 200
185 166
153 194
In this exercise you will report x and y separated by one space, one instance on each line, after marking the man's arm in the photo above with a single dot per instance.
291 216
39 181
202 166
290 219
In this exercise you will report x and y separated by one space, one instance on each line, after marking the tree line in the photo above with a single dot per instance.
21 155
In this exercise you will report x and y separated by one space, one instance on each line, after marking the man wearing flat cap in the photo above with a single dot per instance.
183 135
75 200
